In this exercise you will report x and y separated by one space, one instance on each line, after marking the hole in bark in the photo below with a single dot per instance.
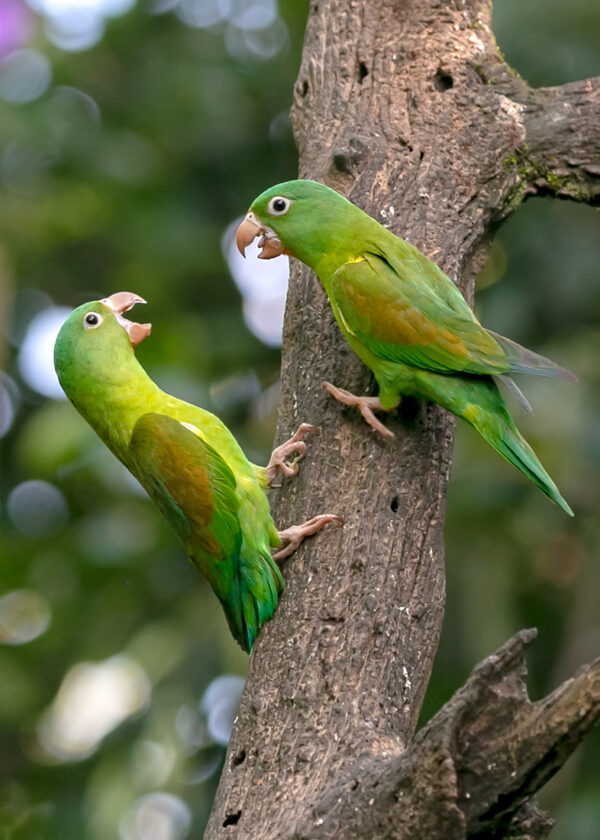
408 411
341 162
394 504
239 758
232 819
363 71
442 81
421 155
304 88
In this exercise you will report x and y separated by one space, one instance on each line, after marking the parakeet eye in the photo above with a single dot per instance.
91 321
278 206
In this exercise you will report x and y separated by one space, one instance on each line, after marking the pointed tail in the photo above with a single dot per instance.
500 431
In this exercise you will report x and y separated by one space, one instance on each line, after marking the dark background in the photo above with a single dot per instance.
130 140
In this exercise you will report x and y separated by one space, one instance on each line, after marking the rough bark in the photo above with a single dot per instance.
470 771
407 107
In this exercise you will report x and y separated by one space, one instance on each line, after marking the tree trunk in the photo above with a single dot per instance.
406 107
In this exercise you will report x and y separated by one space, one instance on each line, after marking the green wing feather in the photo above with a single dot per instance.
413 267
190 482
404 320
197 492
428 324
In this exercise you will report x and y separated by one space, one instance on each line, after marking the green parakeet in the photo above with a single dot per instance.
402 316
186 459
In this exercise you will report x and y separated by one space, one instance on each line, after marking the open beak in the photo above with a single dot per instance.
122 302
269 242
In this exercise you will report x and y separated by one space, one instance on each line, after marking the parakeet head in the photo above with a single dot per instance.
301 218
96 341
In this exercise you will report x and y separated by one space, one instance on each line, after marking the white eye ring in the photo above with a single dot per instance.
92 321
278 206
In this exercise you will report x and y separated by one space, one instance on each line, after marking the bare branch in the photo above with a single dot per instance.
559 149
562 153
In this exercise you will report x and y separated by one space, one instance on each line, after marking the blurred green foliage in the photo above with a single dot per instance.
124 174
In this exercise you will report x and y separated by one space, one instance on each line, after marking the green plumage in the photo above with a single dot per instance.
404 317
197 475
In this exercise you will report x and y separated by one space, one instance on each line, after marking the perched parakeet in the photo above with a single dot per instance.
402 316
186 459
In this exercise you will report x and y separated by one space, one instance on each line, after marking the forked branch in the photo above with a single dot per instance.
472 770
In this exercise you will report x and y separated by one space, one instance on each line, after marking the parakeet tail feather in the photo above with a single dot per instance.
513 446
253 596
523 360
515 390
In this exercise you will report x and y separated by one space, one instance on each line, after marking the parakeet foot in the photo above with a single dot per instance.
292 537
277 462
365 406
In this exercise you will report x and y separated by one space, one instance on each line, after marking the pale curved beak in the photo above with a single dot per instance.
269 242
121 302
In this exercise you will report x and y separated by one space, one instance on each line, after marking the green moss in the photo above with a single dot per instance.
516 196
565 185
482 74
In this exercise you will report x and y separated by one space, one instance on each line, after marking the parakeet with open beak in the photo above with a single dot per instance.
186 459
404 318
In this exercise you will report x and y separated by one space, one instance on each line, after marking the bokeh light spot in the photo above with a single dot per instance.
24 615
9 399
75 25
253 14
113 8
220 703
253 44
37 509
7 413
92 700
161 7
16 25
263 284
152 763
24 76
75 29
106 8
203 13
264 318
37 352
71 109
157 816
191 729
